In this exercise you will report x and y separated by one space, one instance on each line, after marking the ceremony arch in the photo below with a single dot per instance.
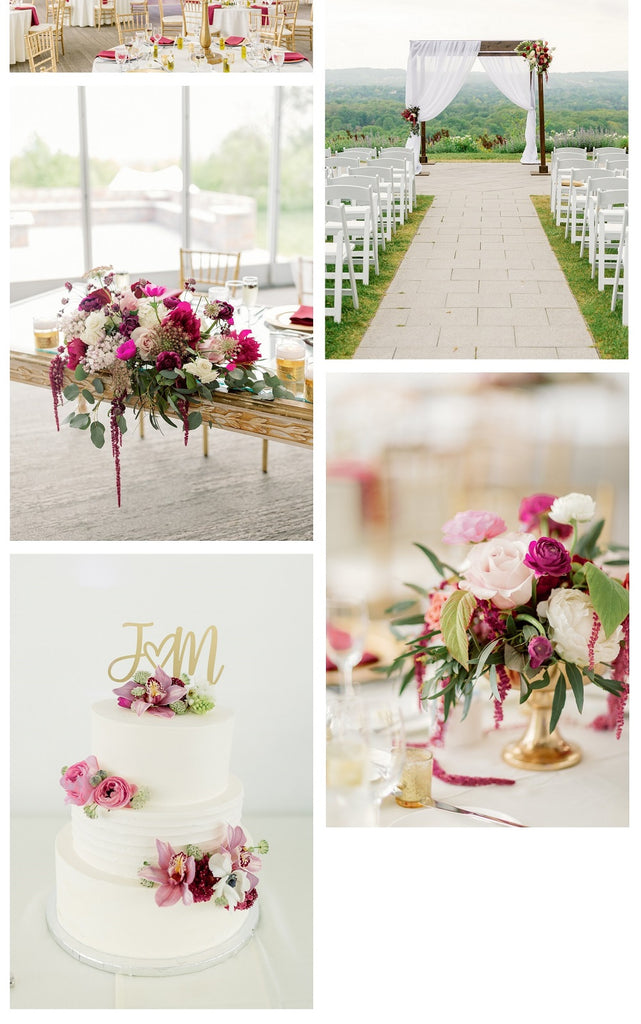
437 69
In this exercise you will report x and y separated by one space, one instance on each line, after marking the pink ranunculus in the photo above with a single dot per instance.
76 781
472 527
113 792
435 607
548 557
126 350
495 571
76 350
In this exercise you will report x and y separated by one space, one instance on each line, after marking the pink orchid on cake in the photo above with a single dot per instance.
163 695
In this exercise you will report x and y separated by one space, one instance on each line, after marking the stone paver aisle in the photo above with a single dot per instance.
479 280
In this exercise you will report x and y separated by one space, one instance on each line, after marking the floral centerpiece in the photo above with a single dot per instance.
538 54
161 349
226 876
411 116
534 609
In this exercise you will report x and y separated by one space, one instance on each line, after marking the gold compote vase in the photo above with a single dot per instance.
538 749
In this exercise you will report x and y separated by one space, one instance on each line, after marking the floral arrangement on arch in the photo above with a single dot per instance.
162 695
411 116
161 353
227 876
538 54
91 787
524 608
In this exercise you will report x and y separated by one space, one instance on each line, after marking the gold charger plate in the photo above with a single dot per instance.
280 318
379 642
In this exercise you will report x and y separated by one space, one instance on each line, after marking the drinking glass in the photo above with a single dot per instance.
45 333
346 628
290 363
198 58
309 381
278 57
234 292
121 55
250 296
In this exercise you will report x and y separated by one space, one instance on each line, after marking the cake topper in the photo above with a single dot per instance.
178 647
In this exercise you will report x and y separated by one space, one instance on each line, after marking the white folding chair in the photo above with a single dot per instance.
609 235
372 182
362 152
592 187
619 284
399 178
338 164
339 265
360 229
603 153
616 164
563 153
578 199
384 178
405 154
563 185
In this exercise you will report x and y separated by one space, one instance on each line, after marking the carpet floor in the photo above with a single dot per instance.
63 489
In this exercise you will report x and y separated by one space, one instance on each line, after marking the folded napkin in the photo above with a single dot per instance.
292 58
107 54
303 315
339 639
367 659
165 41
234 40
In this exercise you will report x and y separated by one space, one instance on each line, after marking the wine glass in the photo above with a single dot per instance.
278 57
346 628
121 56
234 292
250 296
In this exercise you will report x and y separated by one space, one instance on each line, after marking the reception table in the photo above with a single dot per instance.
183 63
273 971
82 11
20 21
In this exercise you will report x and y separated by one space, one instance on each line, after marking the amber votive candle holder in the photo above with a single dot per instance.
416 782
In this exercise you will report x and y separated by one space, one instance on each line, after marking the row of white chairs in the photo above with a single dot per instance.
591 198
368 195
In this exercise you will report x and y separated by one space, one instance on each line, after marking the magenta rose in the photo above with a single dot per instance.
168 361
495 571
472 527
533 508
76 781
548 557
113 792
539 651
76 350
126 350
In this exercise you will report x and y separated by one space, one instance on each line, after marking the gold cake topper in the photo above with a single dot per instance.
179 645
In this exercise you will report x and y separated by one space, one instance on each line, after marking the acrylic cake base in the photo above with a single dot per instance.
116 925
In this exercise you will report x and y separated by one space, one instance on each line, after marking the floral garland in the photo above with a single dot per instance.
226 876
538 54
91 787
163 695
521 606
411 116
158 352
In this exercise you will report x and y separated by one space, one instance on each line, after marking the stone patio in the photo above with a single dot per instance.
479 280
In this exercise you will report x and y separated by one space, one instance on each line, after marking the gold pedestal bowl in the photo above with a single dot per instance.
539 749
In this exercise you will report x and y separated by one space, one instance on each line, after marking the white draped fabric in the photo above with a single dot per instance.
512 76
414 143
436 70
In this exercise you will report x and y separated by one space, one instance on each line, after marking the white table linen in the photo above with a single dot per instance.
19 25
183 63
82 14
273 971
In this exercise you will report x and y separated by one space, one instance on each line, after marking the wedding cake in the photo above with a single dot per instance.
154 865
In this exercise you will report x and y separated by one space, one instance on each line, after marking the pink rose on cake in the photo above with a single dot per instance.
113 792
76 781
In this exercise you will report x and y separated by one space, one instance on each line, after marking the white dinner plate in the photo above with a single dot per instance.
434 817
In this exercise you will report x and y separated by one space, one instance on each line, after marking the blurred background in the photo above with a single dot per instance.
405 452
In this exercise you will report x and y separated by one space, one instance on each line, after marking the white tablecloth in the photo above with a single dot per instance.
184 63
273 971
82 11
592 793
19 25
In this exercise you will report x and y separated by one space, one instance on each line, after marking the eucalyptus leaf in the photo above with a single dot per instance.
492 675
440 566
98 386
97 432
558 702
71 391
400 606
87 395
513 659
418 590
587 544
80 421
194 420
610 599
80 373
485 653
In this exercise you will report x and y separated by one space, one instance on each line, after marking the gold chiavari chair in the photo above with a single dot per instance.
41 50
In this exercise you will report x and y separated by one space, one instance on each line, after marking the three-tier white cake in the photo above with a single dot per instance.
192 808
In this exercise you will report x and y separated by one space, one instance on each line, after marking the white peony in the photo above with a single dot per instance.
571 618
202 369
572 508
147 316
94 328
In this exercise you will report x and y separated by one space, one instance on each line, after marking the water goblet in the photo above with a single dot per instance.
346 629
234 292
122 56
250 296
278 57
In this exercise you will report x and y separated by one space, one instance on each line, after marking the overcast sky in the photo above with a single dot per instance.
589 35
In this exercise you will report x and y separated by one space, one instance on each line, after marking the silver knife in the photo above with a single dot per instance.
475 814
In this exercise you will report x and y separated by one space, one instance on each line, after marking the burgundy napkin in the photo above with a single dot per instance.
34 14
234 40
337 637
211 9
107 54
165 41
293 58
304 315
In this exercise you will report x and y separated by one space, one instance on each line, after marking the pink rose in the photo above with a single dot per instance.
495 571
472 526
126 350
76 781
128 302
144 339
113 792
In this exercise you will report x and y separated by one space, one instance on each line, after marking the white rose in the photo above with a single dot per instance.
494 570
94 326
573 507
571 618
147 316
202 369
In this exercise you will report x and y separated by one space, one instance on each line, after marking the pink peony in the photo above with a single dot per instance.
113 792
76 781
472 527
532 510
495 571
168 361
128 302
126 350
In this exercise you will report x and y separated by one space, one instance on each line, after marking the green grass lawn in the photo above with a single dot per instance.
342 340
610 336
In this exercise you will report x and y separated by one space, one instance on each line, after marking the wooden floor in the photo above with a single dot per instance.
82 44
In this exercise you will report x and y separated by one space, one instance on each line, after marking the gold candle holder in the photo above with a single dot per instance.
416 782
